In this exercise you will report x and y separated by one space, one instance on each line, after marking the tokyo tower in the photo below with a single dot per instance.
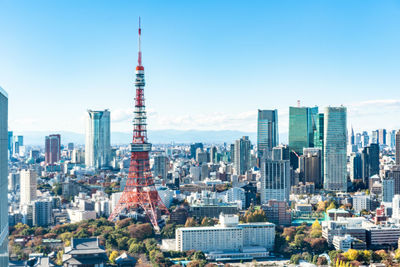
139 191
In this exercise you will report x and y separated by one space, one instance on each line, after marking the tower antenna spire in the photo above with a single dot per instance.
140 48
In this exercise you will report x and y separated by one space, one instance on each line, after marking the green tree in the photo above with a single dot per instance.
199 255
57 189
114 254
137 247
295 259
331 206
190 222
59 260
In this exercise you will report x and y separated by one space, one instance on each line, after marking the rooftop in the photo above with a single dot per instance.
84 246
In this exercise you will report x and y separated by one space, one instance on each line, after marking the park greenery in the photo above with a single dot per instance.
138 240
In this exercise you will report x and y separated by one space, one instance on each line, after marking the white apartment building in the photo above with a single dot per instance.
28 186
342 242
229 235
361 202
396 207
236 195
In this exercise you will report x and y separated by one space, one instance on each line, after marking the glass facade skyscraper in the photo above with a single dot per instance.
267 130
302 124
3 178
97 146
335 143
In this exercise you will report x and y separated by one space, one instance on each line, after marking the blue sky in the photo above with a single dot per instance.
209 64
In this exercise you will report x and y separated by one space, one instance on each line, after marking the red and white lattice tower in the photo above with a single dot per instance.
139 191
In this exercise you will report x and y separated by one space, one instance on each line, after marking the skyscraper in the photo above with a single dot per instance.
355 166
370 161
302 124
242 155
364 139
391 138
213 154
28 186
310 164
52 149
18 142
97 146
398 147
352 137
42 212
160 167
382 136
375 137
275 180
281 152
3 178
267 130
335 142
193 149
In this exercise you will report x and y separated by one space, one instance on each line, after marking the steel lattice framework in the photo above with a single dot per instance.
139 191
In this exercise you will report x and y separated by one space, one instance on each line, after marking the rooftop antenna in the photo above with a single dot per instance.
140 49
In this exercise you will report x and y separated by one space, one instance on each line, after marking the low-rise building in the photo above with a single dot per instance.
349 226
76 215
212 211
382 236
303 210
277 212
252 239
84 252
347 242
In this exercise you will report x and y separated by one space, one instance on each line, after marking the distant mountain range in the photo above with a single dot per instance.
157 137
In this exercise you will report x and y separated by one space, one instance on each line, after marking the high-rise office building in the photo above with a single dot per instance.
160 167
310 166
13 181
281 152
355 166
302 124
387 190
201 156
358 140
52 149
352 137
398 147
97 146
391 138
382 137
42 212
275 180
364 139
70 146
375 137
394 173
267 130
193 149
370 161
18 142
28 186
3 178
242 161
213 154
335 143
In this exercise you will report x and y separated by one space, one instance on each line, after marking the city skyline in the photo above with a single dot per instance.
91 57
